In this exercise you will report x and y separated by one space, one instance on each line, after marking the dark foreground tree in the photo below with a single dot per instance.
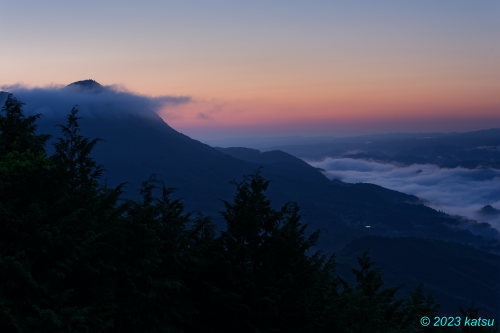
272 271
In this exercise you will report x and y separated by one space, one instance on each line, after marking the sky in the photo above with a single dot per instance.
271 68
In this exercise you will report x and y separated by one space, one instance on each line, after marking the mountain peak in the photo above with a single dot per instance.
489 210
86 85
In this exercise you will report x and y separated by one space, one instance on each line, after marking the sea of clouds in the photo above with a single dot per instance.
456 191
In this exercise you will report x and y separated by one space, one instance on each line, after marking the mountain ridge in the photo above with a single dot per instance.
134 146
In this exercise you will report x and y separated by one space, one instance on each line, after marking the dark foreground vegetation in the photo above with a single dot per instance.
75 256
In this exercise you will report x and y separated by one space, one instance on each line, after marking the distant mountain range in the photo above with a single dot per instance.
134 146
469 150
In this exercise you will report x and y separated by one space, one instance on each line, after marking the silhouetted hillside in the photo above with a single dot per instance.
133 147
456 274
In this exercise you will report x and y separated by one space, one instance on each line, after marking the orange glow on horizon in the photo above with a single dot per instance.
374 108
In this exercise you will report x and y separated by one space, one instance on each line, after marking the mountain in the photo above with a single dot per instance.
133 147
469 150
455 274
489 210
86 85
136 144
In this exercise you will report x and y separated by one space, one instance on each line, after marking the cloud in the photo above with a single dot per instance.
106 100
202 115
455 191
196 112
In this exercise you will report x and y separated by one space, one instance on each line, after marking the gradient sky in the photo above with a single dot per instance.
272 67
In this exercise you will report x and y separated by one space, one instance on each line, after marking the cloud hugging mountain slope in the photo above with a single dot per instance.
92 98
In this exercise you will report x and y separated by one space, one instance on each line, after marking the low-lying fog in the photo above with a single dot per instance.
455 191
